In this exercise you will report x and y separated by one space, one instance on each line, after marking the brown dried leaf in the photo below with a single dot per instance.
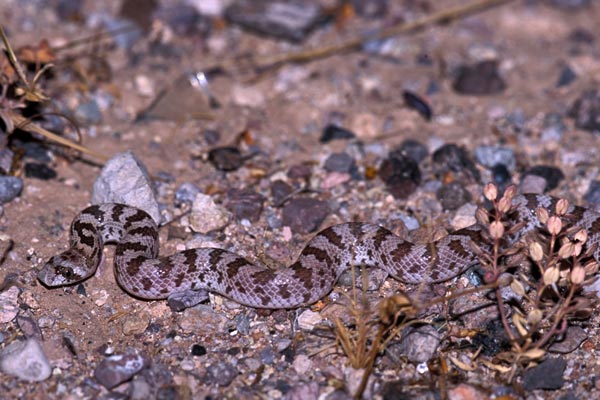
40 54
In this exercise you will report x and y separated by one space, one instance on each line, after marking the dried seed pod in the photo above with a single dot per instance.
536 252
542 215
496 230
535 316
566 250
562 206
482 216
581 236
504 205
517 287
577 275
551 276
554 225
510 192
591 267
490 191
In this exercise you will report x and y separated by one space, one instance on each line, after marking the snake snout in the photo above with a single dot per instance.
62 269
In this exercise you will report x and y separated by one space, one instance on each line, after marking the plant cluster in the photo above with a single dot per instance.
549 292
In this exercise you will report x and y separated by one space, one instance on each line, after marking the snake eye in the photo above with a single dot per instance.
67 272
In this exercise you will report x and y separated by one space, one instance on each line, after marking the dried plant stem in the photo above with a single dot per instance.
26 125
357 42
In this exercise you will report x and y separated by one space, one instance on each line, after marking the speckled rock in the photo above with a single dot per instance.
221 373
125 179
119 368
10 187
9 306
206 216
25 360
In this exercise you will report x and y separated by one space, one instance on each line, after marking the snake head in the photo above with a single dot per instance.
64 269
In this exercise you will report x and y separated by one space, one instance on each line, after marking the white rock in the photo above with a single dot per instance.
308 320
206 216
124 179
25 360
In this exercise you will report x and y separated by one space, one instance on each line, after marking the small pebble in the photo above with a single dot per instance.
202 320
548 375
334 132
88 113
450 157
226 158
25 360
566 77
299 171
339 162
280 191
206 216
308 320
135 324
418 344
304 215
243 324
415 102
334 179
532 184
552 175
221 373
453 195
281 19
9 306
302 364
39 171
186 193
574 336
412 149
553 127
365 125
29 327
586 110
140 389
501 175
401 175
119 368
245 204
479 79
490 156
125 179
198 350
267 355
10 187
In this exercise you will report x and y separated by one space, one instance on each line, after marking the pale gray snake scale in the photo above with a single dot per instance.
141 273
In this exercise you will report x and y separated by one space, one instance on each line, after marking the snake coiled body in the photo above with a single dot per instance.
143 274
